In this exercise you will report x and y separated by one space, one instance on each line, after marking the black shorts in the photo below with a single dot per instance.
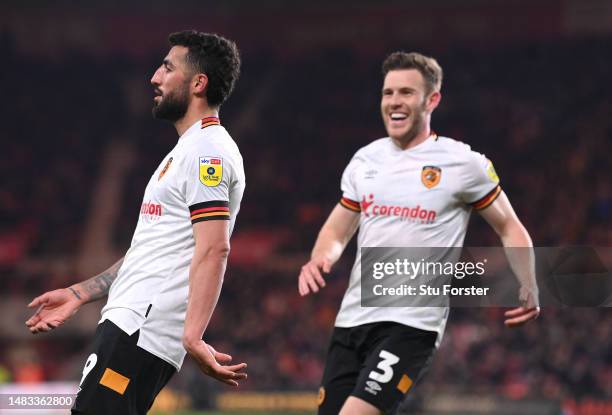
119 377
377 362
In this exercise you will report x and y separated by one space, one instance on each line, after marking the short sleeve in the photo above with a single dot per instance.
350 198
480 181
207 184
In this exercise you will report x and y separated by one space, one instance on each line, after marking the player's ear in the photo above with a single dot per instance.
199 83
433 100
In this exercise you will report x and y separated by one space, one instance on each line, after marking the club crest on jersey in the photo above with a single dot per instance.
165 169
430 176
211 171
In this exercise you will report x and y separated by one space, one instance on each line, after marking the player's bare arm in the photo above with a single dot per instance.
502 218
97 287
205 280
55 307
333 238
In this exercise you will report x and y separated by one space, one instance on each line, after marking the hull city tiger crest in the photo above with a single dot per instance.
211 171
430 176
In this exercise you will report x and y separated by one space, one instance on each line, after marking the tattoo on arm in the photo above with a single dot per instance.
98 286
75 292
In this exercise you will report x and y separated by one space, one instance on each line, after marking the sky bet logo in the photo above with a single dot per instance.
412 214
210 160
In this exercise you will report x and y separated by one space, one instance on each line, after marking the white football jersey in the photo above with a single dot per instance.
202 178
420 197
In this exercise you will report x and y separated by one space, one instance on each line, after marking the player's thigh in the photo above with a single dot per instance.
112 379
354 405
153 375
342 367
393 367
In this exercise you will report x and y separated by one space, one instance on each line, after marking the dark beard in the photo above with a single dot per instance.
172 107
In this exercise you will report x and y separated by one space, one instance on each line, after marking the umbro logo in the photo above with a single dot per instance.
370 174
372 387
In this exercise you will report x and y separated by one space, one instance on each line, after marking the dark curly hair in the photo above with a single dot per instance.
426 65
213 55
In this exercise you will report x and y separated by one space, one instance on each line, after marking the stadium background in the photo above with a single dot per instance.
526 82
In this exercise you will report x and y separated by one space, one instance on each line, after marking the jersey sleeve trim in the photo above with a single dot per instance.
487 199
350 204
213 210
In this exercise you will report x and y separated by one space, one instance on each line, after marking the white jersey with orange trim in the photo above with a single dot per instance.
419 197
202 178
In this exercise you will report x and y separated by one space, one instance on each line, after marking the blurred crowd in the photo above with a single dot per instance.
541 111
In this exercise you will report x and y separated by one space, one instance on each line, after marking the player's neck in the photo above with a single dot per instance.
406 143
193 114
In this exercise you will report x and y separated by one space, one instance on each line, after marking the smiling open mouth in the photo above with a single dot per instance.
398 116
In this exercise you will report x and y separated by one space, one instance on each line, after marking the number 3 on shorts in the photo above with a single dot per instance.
89 365
388 360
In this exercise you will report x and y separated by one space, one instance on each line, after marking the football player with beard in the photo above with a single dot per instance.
162 294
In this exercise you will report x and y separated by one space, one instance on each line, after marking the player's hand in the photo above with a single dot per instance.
210 362
53 308
520 315
529 308
310 278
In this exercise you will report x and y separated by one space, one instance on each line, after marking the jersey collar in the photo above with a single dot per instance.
200 124
208 121
432 138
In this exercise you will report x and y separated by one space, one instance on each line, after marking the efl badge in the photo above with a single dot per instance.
211 171
165 169
430 176
492 173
